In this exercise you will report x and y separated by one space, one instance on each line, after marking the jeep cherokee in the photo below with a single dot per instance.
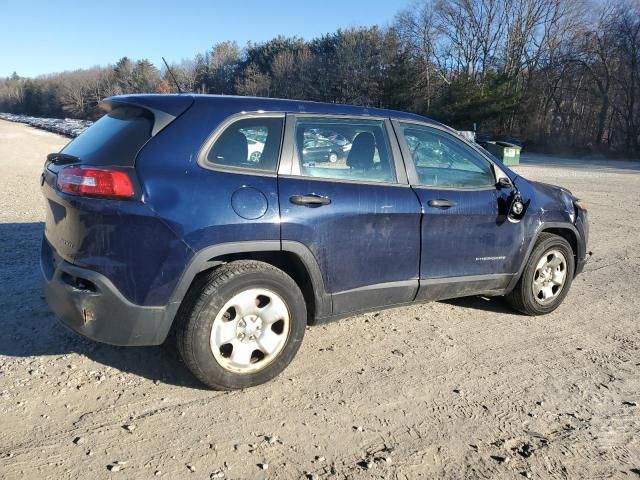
161 217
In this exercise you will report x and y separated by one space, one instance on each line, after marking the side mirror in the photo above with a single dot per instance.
504 182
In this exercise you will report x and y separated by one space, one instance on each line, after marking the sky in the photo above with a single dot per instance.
39 36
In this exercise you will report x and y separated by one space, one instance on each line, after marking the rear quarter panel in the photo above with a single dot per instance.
196 202
123 240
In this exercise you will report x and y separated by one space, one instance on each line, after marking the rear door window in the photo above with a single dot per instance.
250 143
115 139
344 149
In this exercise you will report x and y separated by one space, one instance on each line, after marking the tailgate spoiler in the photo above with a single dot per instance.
165 108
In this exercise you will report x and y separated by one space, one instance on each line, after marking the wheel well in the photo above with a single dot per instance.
289 263
568 235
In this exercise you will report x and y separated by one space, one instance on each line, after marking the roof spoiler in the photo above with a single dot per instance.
165 108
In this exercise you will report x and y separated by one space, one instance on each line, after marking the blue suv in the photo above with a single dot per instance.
207 215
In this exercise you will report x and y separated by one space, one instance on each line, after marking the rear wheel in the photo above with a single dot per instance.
241 325
333 157
546 278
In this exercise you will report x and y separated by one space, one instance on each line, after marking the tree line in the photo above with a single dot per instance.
561 74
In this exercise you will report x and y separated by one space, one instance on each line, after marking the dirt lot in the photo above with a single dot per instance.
461 389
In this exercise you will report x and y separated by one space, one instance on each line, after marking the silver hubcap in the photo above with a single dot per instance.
250 331
333 158
549 276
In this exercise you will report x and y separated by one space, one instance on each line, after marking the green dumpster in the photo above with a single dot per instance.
507 153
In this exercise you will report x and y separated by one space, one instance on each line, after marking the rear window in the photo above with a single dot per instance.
249 143
115 139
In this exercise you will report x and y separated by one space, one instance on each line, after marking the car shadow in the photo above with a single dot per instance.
31 329
486 304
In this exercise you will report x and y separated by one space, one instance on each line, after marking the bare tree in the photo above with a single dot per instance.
76 93
185 73
419 35
290 73
627 79
223 64
254 83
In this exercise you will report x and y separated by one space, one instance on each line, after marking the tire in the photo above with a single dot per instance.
523 297
247 290
333 157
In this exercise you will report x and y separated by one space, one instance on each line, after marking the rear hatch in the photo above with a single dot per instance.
94 203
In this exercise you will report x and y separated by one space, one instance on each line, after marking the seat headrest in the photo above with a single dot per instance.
233 150
362 150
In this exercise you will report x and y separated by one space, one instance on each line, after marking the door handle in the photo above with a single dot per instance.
310 200
441 203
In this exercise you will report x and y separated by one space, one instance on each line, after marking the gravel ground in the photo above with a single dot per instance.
458 389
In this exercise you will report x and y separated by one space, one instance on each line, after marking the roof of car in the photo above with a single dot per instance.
167 102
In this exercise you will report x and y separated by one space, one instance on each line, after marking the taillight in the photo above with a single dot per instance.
95 182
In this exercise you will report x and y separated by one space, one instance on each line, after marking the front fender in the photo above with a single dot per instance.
551 208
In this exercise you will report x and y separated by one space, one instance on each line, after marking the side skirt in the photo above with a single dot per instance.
455 287
399 294
374 296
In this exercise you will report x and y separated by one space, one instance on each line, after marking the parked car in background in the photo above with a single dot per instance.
254 150
158 220
68 126
322 145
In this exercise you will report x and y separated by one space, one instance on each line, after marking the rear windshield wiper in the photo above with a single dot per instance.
62 158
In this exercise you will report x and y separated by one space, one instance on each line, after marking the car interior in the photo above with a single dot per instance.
232 147
368 159
442 162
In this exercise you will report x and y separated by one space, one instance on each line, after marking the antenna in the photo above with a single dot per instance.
172 76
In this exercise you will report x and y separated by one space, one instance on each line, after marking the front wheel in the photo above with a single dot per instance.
546 278
241 325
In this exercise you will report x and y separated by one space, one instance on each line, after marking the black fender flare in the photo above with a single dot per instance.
205 259
534 238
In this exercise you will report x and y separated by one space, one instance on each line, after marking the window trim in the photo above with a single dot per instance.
206 147
342 180
412 173
290 162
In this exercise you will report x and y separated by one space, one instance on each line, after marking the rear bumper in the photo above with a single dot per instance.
88 303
